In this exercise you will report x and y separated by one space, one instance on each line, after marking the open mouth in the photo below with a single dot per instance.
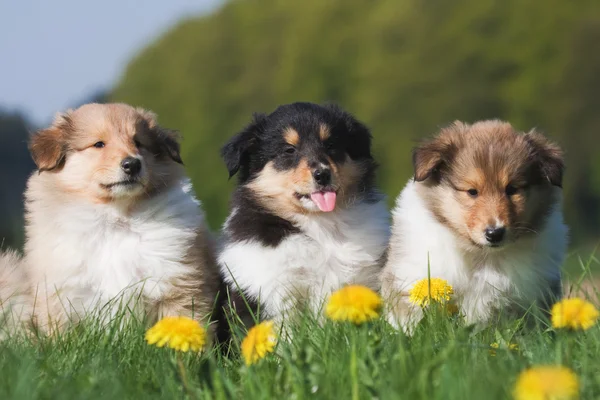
125 183
324 199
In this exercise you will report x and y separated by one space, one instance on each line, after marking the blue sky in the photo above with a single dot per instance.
55 53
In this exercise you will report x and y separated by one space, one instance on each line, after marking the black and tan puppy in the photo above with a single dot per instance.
306 217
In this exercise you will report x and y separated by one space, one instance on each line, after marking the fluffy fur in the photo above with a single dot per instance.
111 217
485 209
15 299
284 244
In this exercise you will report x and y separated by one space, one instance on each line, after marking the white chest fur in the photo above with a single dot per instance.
483 280
332 249
90 254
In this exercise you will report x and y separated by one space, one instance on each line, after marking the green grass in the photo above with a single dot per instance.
443 360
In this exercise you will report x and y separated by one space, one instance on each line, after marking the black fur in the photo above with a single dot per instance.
168 145
165 142
262 141
231 307
253 222
236 152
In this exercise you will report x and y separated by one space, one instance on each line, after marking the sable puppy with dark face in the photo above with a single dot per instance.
306 217
485 209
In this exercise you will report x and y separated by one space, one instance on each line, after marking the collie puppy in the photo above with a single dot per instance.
484 213
305 218
111 221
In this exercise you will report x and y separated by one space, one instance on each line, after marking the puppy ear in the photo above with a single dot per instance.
166 140
48 147
235 152
432 155
427 158
547 157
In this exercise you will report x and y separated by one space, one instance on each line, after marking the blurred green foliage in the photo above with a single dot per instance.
15 167
405 67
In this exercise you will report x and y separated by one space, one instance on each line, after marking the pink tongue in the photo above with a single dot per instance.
324 200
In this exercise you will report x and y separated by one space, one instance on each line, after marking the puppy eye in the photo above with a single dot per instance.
510 190
99 145
473 192
290 150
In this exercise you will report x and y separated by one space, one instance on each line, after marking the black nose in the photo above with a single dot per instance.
494 235
322 176
131 166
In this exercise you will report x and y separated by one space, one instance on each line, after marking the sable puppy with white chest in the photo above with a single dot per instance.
111 217
485 209
305 218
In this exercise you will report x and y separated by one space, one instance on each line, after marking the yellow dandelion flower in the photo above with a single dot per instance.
354 303
547 382
574 313
179 333
495 346
259 341
435 289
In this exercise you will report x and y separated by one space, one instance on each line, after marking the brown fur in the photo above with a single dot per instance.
177 302
324 132
291 136
349 175
276 189
488 157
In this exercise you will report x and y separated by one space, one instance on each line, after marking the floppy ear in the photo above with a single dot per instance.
235 152
432 155
168 143
427 158
548 158
48 147
166 140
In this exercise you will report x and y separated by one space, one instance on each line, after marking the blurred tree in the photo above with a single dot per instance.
405 67
15 167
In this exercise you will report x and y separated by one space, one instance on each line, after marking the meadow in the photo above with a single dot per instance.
403 67
444 359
